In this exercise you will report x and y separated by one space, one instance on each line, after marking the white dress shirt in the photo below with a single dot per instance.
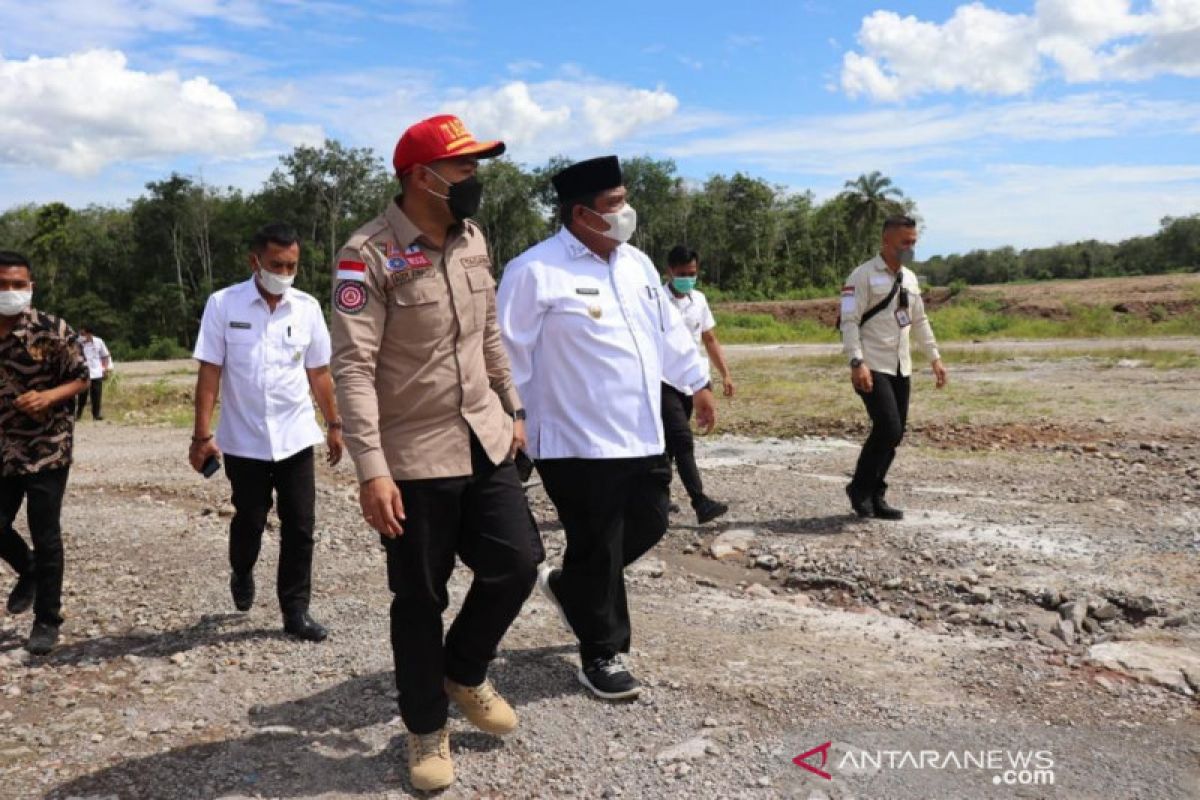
95 352
697 318
266 412
883 343
590 342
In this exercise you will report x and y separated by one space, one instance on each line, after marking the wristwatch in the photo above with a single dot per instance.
855 363
334 425
519 415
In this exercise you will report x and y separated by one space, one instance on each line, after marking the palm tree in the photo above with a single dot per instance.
871 197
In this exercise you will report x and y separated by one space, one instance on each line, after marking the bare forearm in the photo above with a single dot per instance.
321 383
208 387
65 391
717 355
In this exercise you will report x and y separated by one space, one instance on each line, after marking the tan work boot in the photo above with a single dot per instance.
429 764
484 706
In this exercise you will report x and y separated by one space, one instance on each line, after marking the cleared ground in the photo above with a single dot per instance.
1040 478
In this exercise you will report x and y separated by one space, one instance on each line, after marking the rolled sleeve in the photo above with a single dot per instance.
355 339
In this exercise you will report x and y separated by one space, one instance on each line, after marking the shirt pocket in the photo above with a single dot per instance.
483 285
240 343
295 342
419 310
654 316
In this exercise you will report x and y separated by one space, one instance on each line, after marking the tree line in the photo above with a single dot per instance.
140 275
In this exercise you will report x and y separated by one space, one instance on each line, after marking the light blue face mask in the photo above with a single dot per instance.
683 285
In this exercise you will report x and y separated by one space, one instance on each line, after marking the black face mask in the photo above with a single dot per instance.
463 197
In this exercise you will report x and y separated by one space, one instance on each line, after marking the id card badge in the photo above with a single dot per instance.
902 317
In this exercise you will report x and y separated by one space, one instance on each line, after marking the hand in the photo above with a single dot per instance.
382 506
199 452
519 441
860 376
334 445
728 384
705 406
33 403
939 373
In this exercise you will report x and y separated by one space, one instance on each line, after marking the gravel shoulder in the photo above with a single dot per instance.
1040 596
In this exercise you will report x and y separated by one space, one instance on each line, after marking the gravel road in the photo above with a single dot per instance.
1040 598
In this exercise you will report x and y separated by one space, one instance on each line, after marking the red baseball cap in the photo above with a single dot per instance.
433 139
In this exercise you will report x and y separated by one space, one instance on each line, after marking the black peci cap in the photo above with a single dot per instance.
588 177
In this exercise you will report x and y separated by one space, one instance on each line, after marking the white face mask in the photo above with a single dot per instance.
15 301
621 223
274 284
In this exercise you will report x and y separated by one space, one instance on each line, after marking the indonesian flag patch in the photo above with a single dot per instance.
351 271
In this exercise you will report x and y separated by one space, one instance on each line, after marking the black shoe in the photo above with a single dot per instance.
302 626
21 596
42 638
242 589
883 511
708 509
98 419
608 678
861 505
673 508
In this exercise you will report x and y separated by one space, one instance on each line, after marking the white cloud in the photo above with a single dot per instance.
889 138
981 50
295 135
81 112
1027 205
63 26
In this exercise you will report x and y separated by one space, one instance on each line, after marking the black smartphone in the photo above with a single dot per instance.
210 467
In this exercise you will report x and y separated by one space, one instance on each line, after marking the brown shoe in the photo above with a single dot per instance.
483 706
429 764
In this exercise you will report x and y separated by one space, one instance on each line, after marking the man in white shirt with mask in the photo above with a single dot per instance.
99 363
264 345
591 335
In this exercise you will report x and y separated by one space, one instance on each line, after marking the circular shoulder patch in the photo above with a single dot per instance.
350 297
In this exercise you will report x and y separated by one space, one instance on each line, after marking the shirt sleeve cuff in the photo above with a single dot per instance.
371 465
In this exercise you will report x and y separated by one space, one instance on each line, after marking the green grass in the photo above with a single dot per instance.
160 402
967 321
741 328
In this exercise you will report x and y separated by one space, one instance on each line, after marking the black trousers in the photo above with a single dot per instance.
96 393
681 448
294 483
484 520
43 496
613 511
887 405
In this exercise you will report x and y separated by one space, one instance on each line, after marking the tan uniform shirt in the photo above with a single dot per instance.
417 355
883 343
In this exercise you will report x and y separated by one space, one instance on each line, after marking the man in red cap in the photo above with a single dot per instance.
432 423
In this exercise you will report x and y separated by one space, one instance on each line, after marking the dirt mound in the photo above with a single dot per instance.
1149 297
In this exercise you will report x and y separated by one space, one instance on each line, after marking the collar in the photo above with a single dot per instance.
881 266
20 328
251 288
405 231
577 249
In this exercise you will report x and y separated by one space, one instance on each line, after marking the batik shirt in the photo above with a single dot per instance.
40 353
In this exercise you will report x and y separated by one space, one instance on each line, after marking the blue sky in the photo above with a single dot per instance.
1023 123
